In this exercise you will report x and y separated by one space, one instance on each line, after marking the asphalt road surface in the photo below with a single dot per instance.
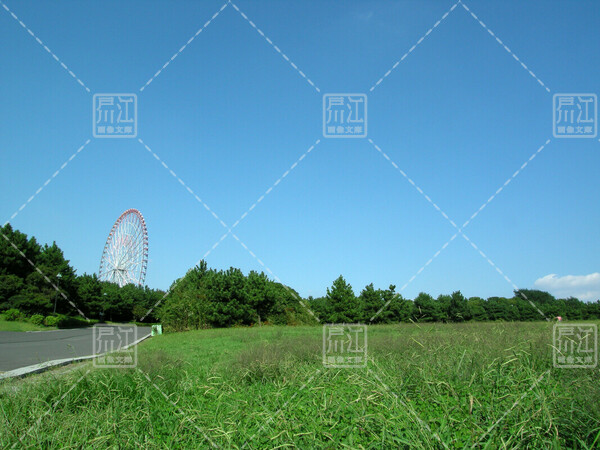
20 349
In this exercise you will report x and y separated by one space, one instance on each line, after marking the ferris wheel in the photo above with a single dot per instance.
125 256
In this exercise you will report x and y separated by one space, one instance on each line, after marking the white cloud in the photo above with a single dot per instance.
584 287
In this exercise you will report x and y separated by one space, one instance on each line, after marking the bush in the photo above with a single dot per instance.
51 321
62 321
12 315
37 319
74 322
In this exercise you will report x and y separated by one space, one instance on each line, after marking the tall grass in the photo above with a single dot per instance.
487 385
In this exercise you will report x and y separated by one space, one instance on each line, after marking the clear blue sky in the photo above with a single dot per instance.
459 115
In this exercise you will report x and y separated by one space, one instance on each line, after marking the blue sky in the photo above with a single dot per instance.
229 115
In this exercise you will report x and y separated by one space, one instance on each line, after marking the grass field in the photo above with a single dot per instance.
487 385
6 325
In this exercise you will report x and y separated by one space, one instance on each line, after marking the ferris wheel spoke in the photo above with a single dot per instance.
130 257
125 254
120 279
137 238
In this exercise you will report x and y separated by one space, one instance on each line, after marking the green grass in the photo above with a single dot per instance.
426 386
6 325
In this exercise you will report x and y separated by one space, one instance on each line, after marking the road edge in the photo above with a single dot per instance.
42 367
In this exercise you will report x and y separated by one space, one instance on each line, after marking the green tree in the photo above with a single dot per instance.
369 302
443 306
541 299
398 309
12 244
426 309
261 294
497 308
54 267
342 306
457 308
10 285
476 306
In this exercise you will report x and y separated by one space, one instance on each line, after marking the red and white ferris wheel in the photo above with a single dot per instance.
125 256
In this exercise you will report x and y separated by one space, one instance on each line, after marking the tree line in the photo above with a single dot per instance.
371 305
25 288
209 298
206 298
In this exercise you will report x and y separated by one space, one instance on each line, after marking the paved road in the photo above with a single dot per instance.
19 349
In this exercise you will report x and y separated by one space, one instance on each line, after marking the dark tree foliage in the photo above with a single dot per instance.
370 306
206 298
427 309
34 284
216 298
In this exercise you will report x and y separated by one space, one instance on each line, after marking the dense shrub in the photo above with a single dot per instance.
74 322
37 319
207 298
51 321
24 288
12 315
62 321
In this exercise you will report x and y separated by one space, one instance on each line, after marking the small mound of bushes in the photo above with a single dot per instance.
51 321
37 319
62 321
12 314
74 322
55 320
